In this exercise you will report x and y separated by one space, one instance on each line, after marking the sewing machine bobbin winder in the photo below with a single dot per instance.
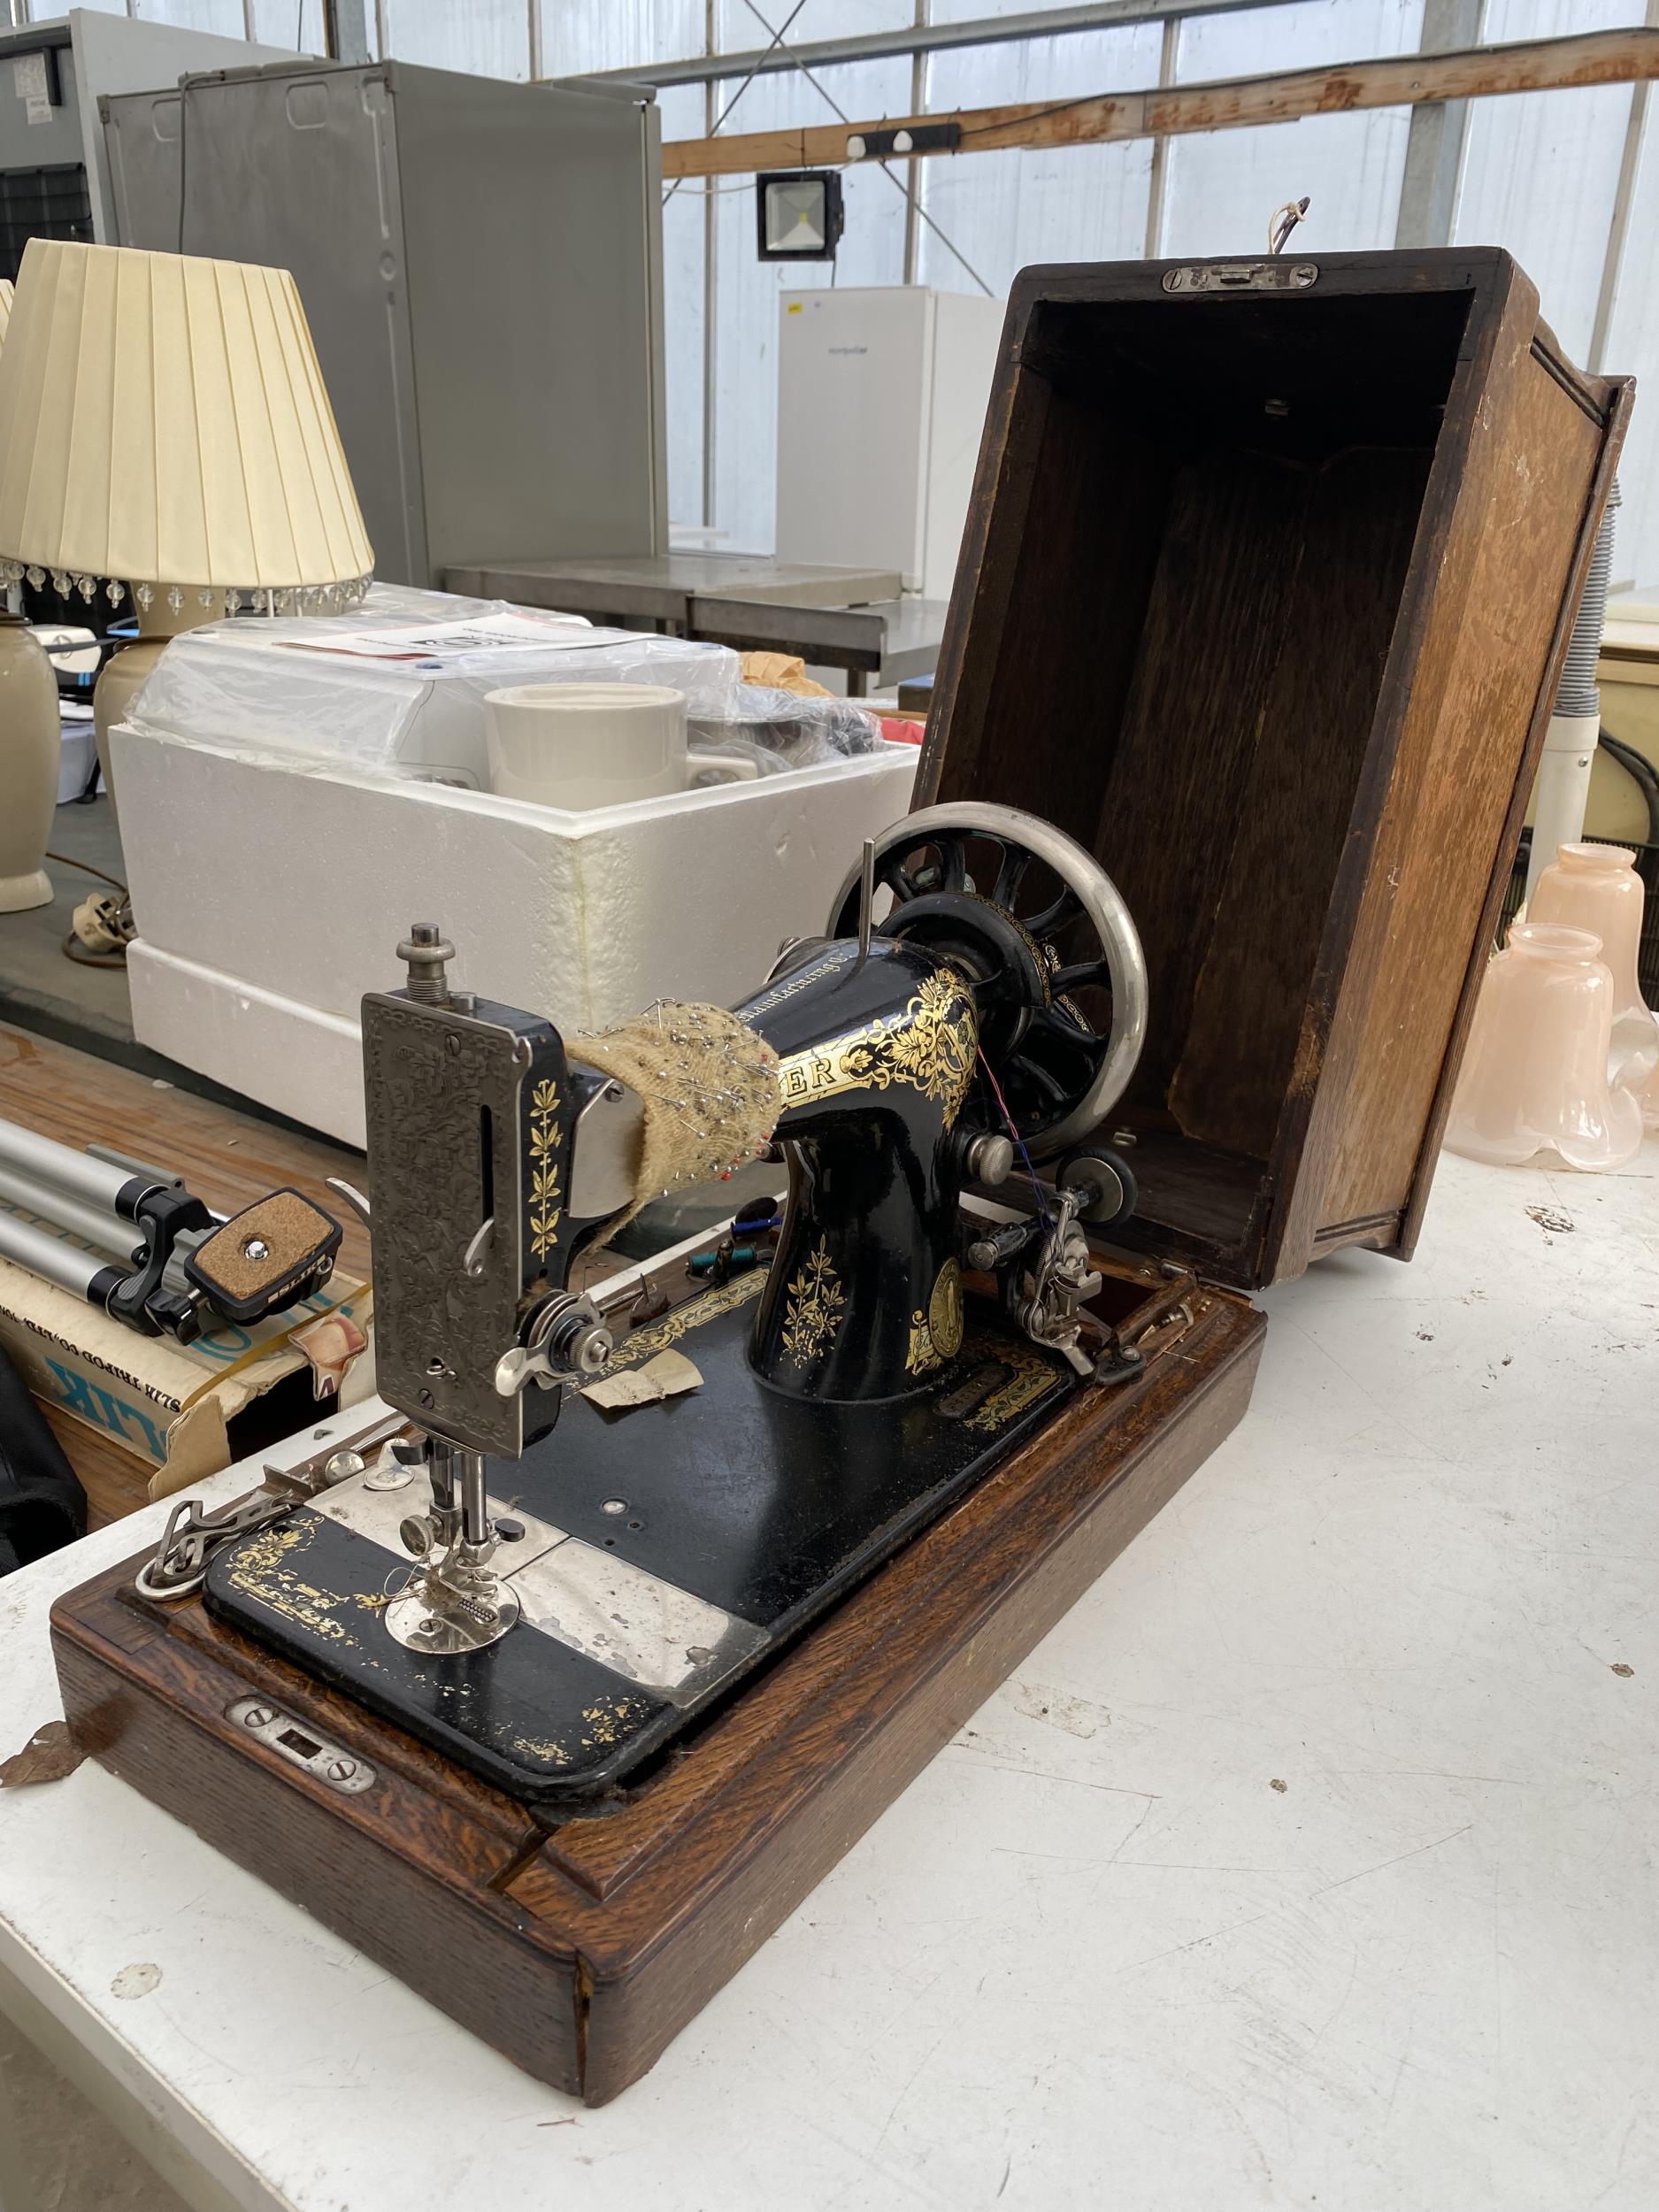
559 1712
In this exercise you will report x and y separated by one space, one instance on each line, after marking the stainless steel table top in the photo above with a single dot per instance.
834 617
659 587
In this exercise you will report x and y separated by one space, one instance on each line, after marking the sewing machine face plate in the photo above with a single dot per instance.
664 1551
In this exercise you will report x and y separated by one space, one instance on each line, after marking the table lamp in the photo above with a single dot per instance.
28 745
165 432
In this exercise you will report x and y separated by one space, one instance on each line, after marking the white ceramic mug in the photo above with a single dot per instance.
579 746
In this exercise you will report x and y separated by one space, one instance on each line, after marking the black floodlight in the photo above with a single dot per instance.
798 214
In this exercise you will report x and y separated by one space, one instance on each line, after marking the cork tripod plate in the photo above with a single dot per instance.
581 1952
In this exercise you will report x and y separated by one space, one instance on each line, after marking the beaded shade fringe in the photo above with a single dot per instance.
164 425
309 599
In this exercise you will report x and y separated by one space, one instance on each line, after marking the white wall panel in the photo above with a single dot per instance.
299 24
1223 186
579 34
1246 41
682 108
745 412
739 30
485 38
1037 204
1632 349
1540 169
223 16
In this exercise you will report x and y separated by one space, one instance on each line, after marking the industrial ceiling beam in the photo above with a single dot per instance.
1543 65
920 38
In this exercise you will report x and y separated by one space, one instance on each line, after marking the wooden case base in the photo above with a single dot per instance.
581 1952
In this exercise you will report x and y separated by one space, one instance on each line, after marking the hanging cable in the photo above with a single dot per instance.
898 183
776 40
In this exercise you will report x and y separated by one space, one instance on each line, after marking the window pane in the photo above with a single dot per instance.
747 308
740 28
299 24
683 216
618 33
223 16
1223 186
487 38
1037 204
1632 349
1540 169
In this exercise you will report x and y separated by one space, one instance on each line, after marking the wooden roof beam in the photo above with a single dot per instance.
1542 64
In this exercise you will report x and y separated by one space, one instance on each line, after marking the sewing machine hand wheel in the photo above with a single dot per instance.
1036 924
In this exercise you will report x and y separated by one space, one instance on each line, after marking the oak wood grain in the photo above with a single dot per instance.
1262 597
582 1953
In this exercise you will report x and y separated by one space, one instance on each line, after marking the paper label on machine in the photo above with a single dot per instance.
452 641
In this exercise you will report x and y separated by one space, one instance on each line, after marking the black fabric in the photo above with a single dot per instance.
41 1503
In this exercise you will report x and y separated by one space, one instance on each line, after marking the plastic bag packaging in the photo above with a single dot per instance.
781 730
396 689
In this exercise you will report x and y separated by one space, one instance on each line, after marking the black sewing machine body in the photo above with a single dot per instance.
667 1551
586 1582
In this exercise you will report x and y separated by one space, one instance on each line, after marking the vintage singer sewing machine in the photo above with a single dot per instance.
415 1679
546 1593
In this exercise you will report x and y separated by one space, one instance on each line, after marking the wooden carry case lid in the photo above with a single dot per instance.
1268 574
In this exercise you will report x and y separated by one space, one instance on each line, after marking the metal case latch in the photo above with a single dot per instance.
1242 276
292 1739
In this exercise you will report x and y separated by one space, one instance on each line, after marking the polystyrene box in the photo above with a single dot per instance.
270 895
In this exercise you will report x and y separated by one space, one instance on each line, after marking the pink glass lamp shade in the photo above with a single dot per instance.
1535 1075
1596 887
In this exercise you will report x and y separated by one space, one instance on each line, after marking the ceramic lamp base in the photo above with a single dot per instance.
18 894
126 675
123 678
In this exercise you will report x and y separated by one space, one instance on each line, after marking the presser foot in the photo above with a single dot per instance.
452 1607
453 1601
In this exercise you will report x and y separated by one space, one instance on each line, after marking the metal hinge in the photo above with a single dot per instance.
1242 276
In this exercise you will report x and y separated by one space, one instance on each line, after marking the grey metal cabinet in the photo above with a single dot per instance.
481 265
53 181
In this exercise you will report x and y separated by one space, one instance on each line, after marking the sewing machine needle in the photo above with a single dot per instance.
866 902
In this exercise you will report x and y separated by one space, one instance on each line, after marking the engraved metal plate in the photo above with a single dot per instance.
1276 275
294 1740
653 1632
379 1514
443 1098
642 1627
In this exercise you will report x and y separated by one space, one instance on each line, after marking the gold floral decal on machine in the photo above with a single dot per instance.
547 1206
813 1305
929 1043
1031 1377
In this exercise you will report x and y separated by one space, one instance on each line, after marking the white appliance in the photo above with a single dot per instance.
881 399
271 893
282 826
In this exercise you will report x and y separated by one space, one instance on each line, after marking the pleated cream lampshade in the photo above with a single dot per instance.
6 289
164 425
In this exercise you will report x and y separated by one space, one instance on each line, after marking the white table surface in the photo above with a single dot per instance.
1093 1958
